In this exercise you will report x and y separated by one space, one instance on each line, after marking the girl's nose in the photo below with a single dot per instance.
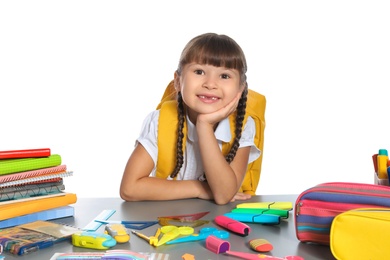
210 83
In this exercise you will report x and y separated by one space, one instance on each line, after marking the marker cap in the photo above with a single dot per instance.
216 245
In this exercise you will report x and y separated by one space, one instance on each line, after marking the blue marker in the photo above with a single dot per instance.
388 174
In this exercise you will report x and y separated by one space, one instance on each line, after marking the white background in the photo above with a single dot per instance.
80 76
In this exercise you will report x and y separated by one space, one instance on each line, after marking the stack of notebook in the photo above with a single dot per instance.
32 187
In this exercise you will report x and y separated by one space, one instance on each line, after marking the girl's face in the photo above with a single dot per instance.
206 88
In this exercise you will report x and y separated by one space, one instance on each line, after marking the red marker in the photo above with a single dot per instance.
233 225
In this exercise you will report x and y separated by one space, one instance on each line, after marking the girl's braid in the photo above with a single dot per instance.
180 136
241 108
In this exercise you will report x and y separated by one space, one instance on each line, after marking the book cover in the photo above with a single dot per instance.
31 205
27 153
50 214
8 166
30 237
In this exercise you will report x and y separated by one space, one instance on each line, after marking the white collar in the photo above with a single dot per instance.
222 133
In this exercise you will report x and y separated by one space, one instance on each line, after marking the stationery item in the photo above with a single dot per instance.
118 232
233 225
251 256
104 215
204 233
95 240
27 153
38 179
32 205
265 219
279 212
382 163
218 246
192 220
34 236
129 224
29 174
146 238
286 205
50 214
33 190
260 245
316 207
361 234
179 223
112 254
187 217
171 232
8 166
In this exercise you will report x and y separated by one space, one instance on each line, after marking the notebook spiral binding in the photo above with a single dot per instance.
37 178
32 191
28 174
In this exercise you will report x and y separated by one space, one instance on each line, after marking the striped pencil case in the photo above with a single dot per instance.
316 207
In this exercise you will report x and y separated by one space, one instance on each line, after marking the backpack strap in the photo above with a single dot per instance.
256 109
167 125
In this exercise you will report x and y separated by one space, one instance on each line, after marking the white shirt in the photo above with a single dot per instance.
192 168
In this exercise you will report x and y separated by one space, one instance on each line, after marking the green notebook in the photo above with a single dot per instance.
8 166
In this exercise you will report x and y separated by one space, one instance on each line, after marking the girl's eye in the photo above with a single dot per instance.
225 76
199 72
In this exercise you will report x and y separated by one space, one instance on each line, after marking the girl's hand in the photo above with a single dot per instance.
241 196
224 112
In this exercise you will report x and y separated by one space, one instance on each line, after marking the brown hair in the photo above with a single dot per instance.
220 51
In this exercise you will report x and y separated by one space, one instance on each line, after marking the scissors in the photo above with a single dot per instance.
171 232
203 234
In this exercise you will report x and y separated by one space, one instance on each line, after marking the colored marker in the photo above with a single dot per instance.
382 163
233 225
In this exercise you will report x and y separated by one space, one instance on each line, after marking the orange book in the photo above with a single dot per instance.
22 207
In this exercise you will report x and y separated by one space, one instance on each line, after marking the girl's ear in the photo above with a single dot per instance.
176 80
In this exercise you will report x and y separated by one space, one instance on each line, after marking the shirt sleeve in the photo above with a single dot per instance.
247 139
148 135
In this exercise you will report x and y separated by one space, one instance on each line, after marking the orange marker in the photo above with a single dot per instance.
382 159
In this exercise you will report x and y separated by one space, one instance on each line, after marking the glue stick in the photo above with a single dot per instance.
382 163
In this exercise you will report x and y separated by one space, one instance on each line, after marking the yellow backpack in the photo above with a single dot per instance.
168 124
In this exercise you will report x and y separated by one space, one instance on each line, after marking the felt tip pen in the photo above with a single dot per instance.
233 225
266 219
382 163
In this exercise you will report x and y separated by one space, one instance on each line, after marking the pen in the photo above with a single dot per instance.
382 163
138 234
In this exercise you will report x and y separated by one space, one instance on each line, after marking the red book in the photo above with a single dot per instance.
28 153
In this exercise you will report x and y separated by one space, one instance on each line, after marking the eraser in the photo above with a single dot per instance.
217 245
260 245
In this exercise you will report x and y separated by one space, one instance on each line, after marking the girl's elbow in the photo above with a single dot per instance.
127 195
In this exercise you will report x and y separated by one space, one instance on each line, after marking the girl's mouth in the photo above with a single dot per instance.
210 98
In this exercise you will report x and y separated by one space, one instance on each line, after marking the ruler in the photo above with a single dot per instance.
104 215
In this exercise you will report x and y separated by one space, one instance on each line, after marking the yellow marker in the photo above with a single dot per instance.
382 159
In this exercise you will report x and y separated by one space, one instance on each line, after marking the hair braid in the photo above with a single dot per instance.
180 136
241 108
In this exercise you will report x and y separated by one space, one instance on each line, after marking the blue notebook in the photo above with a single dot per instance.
61 212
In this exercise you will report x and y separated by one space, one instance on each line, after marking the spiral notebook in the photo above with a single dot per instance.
37 179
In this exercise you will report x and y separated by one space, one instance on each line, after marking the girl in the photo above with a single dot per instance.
210 83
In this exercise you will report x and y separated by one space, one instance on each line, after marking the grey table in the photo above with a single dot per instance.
281 236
